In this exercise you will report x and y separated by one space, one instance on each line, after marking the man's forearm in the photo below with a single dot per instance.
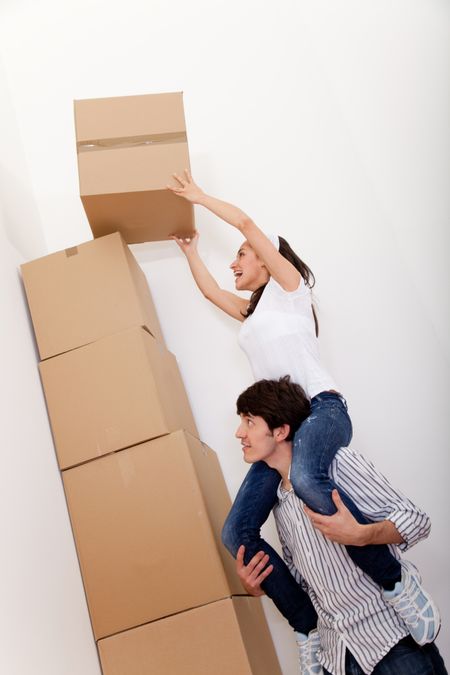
343 528
383 532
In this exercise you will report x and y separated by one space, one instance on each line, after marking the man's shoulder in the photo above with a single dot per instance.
346 456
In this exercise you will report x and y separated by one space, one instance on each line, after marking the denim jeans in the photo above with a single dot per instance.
255 500
316 442
405 658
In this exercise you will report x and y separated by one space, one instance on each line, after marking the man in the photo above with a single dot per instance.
360 628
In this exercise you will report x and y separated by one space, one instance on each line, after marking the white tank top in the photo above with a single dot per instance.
279 339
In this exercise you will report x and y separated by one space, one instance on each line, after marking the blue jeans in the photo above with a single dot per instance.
316 442
405 658
252 506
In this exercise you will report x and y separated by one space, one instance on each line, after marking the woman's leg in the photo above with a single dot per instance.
316 442
252 506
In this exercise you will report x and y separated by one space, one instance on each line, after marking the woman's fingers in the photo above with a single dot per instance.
177 190
179 179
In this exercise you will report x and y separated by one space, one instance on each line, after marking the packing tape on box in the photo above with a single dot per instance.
131 141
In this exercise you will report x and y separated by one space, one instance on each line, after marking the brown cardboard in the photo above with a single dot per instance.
147 539
111 394
128 148
228 637
86 292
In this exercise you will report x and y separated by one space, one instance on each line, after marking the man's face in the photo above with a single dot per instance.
257 440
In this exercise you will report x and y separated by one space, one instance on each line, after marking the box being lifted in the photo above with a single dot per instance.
113 393
147 523
128 148
228 637
86 292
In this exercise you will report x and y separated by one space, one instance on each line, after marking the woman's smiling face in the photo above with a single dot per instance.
249 271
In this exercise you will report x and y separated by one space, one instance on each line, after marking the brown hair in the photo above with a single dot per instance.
307 276
278 402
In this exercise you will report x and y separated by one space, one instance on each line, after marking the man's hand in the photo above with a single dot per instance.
342 527
253 574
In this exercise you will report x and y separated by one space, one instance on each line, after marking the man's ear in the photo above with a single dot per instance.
281 433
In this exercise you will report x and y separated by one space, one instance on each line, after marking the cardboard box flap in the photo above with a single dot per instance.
138 168
208 640
112 122
87 292
143 536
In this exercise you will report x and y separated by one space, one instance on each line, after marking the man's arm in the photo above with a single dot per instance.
253 574
258 568
379 501
343 528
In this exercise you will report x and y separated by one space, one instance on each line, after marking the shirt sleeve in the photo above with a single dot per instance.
377 499
274 288
287 557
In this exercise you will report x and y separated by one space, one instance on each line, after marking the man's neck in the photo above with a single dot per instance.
281 461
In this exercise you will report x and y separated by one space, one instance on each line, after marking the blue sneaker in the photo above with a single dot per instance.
414 605
308 648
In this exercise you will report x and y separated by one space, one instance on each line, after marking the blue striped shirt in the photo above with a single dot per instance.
350 606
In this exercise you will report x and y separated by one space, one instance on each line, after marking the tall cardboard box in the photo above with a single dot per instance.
86 292
113 393
228 637
128 148
147 523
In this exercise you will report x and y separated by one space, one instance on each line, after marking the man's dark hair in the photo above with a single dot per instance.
278 402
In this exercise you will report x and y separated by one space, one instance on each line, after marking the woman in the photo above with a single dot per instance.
279 336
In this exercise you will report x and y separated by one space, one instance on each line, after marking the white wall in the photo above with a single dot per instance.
328 123
44 623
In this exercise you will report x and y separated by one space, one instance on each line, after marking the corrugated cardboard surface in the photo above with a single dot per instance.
140 216
217 500
144 533
121 116
128 148
203 641
111 394
86 292
257 637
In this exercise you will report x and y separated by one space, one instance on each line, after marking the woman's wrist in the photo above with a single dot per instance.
202 199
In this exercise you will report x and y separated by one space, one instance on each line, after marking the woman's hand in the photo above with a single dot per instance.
187 188
188 245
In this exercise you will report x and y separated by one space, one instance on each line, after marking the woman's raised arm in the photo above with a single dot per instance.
279 268
230 303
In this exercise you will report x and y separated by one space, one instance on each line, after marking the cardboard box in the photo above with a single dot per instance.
147 524
229 637
128 148
113 393
86 292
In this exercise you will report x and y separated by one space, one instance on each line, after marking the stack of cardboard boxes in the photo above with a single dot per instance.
146 497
